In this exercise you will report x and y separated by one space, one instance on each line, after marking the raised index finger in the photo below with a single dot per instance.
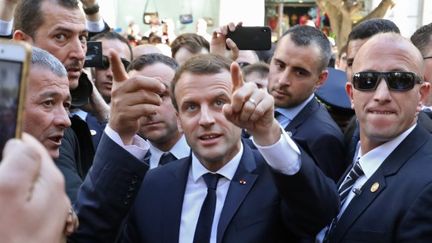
236 76
119 73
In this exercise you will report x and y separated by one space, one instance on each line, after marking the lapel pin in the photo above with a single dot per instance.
243 182
374 187
93 132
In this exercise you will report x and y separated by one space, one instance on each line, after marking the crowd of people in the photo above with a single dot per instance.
209 144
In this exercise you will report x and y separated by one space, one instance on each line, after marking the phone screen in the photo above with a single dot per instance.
10 76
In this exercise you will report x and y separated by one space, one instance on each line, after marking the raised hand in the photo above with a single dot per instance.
252 109
32 191
219 42
131 99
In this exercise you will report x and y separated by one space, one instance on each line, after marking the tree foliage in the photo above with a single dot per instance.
341 12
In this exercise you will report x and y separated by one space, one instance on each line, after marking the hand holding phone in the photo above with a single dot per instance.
14 61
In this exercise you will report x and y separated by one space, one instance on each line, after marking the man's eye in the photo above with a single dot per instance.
83 39
220 102
48 103
60 37
191 107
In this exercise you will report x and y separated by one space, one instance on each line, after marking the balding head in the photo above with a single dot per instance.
144 49
389 51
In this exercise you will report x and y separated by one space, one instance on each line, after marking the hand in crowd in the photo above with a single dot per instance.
7 9
131 99
219 42
252 108
97 105
36 207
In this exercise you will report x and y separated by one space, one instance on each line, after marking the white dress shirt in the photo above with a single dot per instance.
283 156
196 191
288 114
6 27
180 150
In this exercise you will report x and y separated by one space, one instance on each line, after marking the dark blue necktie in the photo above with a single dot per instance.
346 186
205 220
166 157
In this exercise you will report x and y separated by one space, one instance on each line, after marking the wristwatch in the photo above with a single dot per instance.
91 10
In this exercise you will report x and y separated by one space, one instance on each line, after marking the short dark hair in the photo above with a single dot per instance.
303 35
29 17
200 64
422 37
191 41
260 67
111 35
371 27
150 59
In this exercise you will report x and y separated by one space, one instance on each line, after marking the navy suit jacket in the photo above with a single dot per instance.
270 207
317 133
400 210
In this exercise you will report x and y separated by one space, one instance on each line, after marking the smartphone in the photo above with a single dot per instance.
14 63
251 37
94 54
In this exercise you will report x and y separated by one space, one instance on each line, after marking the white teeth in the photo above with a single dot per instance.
208 137
382 112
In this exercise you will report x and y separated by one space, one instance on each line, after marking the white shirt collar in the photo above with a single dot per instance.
227 171
180 150
371 161
292 112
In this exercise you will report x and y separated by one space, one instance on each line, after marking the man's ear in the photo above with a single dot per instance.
20 35
321 78
349 90
424 92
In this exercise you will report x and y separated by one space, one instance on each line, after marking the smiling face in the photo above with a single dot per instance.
200 98
385 114
46 108
64 35
294 73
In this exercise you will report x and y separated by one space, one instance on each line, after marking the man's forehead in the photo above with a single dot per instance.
58 16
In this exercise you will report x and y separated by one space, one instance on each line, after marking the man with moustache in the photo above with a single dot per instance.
257 199
47 101
59 27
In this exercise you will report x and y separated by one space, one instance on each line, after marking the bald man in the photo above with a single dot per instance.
388 197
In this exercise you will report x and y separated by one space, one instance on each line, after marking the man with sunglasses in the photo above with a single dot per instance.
386 195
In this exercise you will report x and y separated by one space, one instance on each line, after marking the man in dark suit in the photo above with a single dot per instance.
388 197
256 198
166 141
60 28
297 69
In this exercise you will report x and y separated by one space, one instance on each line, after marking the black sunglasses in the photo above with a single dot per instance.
106 63
396 81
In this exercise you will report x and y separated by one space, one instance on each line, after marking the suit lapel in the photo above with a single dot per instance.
173 203
391 165
302 116
241 184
